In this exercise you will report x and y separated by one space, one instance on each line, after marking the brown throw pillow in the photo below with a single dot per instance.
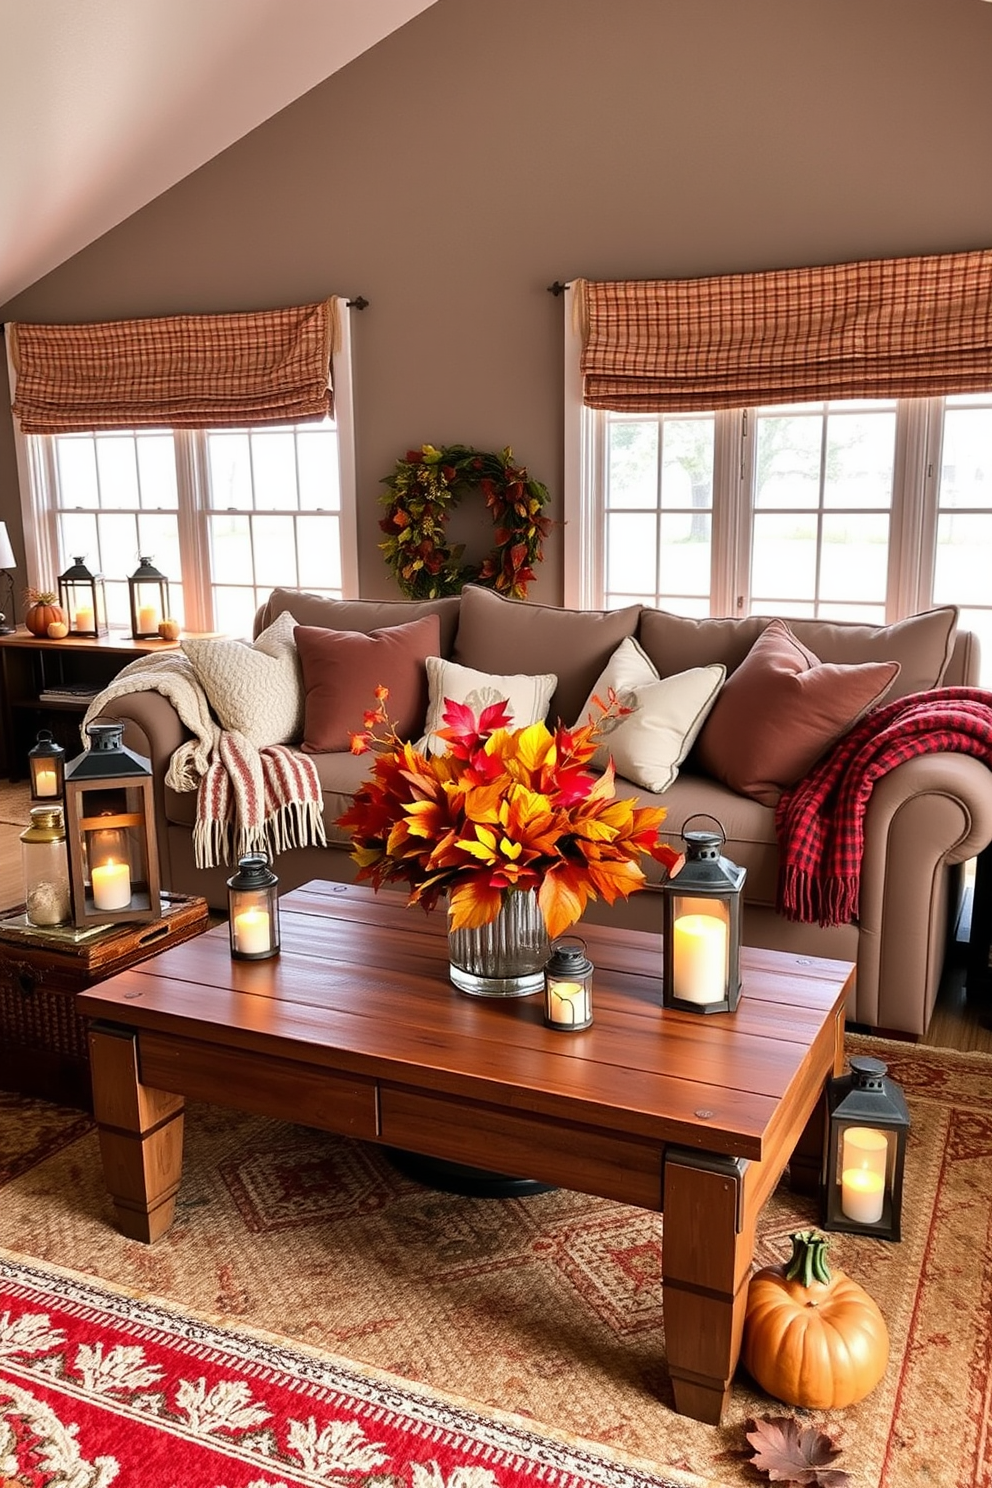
781 710
342 669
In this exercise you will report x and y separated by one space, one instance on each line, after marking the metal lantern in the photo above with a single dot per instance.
110 831
253 909
46 762
865 1152
568 986
83 597
701 924
148 592
46 869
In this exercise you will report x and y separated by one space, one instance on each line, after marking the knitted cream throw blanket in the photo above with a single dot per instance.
250 799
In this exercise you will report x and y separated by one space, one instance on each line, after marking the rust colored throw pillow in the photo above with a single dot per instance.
342 669
781 710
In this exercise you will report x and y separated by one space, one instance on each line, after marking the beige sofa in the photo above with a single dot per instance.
924 819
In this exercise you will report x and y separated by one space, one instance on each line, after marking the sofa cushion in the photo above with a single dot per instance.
651 740
921 644
359 614
343 668
781 710
498 635
527 697
254 688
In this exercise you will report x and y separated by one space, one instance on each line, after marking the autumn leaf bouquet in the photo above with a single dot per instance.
502 810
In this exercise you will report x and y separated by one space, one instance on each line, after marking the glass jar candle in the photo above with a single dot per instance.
46 868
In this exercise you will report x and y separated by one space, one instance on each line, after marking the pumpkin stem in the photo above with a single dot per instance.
809 1258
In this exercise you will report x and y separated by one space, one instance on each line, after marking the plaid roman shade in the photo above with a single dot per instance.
883 328
175 371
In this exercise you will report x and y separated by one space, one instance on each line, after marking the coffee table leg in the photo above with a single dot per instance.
141 1135
707 1246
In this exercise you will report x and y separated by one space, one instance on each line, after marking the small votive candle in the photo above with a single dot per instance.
251 932
148 619
862 1181
46 782
111 886
568 987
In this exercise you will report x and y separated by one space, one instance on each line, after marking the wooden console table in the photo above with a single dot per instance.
29 664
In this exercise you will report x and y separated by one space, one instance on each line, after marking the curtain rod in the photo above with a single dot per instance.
358 303
558 288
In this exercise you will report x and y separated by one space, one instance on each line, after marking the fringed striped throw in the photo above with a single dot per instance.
256 801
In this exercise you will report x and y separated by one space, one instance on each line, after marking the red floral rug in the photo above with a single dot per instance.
98 1386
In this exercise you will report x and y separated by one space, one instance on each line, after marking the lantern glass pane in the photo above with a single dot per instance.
700 949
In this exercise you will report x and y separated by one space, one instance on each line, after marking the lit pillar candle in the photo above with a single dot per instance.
111 886
148 618
84 618
251 932
699 958
568 1003
46 783
862 1181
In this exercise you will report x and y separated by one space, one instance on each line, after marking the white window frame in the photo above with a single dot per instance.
35 455
913 516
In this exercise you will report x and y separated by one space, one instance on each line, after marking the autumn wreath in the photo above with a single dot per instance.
422 491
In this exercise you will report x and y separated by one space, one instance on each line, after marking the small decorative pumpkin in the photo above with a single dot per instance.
813 1338
42 611
57 630
169 630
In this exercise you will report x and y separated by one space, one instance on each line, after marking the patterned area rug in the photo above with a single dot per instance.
547 1307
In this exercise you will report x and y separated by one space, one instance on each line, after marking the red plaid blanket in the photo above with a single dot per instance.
820 822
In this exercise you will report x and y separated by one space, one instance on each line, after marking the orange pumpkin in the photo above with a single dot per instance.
42 612
813 1338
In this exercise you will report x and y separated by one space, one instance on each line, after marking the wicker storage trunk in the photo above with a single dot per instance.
43 1048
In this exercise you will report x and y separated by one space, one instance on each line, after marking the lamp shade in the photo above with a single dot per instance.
7 558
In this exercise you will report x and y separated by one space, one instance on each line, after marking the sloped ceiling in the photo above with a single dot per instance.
104 104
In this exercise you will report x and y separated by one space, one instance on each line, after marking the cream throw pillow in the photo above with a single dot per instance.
527 698
650 743
255 689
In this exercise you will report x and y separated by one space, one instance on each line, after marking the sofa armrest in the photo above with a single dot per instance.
152 728
923 817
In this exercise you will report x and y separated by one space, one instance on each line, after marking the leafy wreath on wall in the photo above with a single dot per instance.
424 488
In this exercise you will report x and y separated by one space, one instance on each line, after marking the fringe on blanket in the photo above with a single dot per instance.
256 801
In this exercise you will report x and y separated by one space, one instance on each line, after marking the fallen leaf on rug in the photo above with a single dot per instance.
789 1453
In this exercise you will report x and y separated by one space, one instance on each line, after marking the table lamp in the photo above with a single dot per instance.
7 562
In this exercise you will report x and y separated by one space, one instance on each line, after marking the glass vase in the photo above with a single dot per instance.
506 957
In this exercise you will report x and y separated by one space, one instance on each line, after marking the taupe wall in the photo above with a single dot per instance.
493 146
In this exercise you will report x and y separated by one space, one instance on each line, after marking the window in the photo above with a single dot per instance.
226 514
862 510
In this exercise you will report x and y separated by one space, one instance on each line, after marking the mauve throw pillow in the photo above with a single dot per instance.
342 669
781 710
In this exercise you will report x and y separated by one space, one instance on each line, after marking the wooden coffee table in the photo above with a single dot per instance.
356 1029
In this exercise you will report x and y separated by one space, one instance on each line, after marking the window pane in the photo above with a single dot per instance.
157 471
118 470
787 455
77 531
317 462
963 559
867 614
633 477
966 461
980 621
234 611
230 549
230 471
783 564
860 457
685 552
320 553
687 464
854 559
118 544
77 471
630 553
274 471
274 544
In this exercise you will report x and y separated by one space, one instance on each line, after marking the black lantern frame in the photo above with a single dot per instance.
701 927
83 598
148 596
865 1152
46 766
568 986
110 832
253 909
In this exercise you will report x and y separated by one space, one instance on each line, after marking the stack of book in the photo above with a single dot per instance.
69 692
